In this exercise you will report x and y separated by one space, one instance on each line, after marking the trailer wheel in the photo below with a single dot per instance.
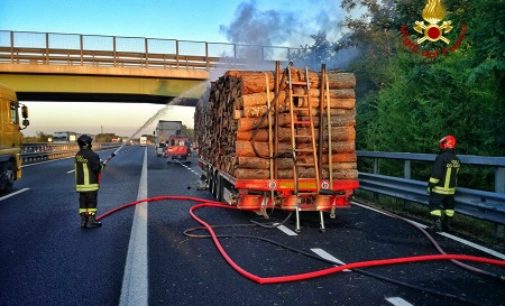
219 187
7 176
214 185
211 183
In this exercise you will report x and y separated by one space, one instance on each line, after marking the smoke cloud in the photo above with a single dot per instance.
296 29
255 27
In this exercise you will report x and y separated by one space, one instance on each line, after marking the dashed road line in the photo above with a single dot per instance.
71 171
285 230
5 197
447 235
474 245
325 255
135 290
398 301
185 166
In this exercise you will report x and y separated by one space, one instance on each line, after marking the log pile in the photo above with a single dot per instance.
232 125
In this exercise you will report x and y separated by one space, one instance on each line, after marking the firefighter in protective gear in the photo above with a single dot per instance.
87 181
442 184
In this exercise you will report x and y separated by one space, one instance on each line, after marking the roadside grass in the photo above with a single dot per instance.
466 227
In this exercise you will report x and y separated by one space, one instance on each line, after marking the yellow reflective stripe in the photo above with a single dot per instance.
92 210
83 188
436 212
443 190
85 171
434 180
82 210
449 212
447 178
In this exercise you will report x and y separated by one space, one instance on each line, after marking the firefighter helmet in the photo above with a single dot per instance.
447 142
84 141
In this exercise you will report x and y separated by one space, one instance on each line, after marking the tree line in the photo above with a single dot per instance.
408 100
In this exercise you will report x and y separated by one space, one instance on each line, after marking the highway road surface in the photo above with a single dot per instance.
140 256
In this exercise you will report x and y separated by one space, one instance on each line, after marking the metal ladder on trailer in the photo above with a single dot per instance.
325 101
301 120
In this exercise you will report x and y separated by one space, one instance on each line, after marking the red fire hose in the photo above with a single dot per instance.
301 276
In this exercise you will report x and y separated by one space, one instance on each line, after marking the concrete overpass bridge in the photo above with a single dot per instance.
79 67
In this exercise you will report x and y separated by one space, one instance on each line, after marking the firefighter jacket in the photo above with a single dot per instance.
87 170
444 175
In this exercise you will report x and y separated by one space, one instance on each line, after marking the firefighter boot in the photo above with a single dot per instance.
92 223
84 219
437 224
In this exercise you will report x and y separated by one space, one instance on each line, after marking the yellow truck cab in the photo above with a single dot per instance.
10 138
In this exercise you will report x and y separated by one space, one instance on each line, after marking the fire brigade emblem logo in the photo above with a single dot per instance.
433 28
433 13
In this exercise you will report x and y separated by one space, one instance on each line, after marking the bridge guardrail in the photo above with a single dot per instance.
21 47
480 204
36 152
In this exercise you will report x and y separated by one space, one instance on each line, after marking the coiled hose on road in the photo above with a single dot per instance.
203 203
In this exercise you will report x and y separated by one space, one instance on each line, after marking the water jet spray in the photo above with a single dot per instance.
176 101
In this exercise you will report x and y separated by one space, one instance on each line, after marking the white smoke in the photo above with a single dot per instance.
253 26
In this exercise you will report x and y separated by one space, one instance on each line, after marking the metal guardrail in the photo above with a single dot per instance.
37 152
484 205
20 47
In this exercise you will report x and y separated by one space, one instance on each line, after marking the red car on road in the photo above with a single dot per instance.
178 147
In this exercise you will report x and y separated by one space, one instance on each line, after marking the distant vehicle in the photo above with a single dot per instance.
178 148
64 137
164 130
10 138
160 149
143 141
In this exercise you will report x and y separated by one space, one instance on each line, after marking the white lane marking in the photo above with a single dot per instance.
447 235
193 171
325 255
71 171
370 208
5 197
398 301
386 214
474 245
134 290
285 230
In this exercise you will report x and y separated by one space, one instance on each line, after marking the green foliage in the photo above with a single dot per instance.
105 137
321 51
407 102
187 131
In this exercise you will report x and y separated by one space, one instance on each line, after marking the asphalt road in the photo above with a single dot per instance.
46 259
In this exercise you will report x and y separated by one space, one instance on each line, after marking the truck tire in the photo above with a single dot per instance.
211 183
219 187
216 192
7 176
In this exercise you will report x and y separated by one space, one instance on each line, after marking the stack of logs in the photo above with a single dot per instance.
232 126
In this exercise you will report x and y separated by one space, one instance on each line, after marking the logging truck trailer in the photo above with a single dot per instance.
283 139
10 137
261 194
